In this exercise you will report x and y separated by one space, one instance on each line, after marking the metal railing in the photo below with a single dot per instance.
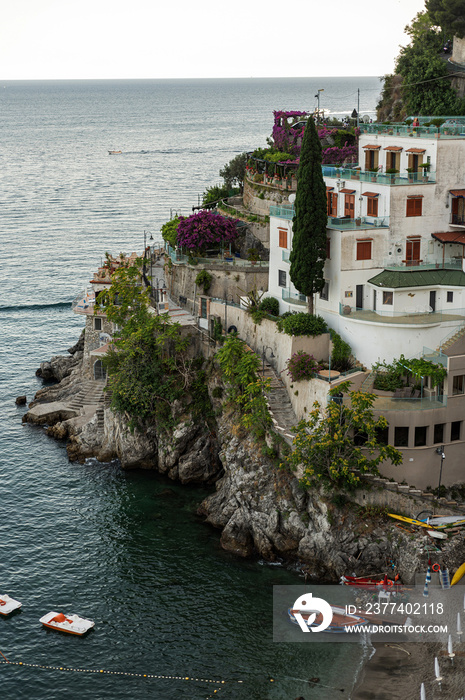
285 255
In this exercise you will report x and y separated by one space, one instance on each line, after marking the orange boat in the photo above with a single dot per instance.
72 624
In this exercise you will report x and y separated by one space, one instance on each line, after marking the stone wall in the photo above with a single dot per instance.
258 198
227 282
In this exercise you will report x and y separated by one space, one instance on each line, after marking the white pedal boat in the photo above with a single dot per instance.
73 624
7 604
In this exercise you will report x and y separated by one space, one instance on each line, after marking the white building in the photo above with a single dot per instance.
395 280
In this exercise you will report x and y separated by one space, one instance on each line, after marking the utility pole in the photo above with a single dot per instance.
358 107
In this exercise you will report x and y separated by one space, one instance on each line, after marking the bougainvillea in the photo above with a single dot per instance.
333 154
302 366
204 229
285 137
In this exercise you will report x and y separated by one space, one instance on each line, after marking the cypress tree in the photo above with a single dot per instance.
308 252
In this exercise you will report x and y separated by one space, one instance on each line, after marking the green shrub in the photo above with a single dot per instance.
340 355
204 279
270 305
302 324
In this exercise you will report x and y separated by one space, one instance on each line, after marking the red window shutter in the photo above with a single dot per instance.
282 238
372 206
363 250
414 206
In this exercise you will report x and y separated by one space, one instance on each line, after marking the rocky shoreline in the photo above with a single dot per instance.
261 509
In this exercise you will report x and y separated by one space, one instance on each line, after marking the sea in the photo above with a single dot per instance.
126 548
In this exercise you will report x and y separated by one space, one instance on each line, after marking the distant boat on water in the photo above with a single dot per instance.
114 153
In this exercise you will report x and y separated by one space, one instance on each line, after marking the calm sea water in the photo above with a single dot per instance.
91 538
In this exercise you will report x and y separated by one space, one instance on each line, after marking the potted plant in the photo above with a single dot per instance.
411 174
392 174
425 167
374 172
252 255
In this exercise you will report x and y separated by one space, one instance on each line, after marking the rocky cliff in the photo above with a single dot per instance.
260 508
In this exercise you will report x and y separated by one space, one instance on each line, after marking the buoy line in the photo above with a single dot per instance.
117 673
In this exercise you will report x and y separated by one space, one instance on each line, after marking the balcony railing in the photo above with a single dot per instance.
457 219
285 255
443 132
418 315
379 178
282 212
426 263
294 297
346 223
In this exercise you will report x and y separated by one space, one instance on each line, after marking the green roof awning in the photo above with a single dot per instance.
398 279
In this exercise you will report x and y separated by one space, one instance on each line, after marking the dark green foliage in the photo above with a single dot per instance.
270 305
343 138
302 324
215 194
240 368
233 172
340 355
147 364
169 231
448 14
420 84
308 252
204 279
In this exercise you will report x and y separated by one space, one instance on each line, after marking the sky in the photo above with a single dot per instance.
117 39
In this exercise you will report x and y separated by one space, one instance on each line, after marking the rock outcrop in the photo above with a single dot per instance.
260 508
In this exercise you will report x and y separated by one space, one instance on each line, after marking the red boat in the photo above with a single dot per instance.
371 581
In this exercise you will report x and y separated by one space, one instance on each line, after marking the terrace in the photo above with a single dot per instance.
225 259
415 316
379 178
341 223
446 131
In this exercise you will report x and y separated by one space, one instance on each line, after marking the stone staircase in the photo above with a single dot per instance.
448 341
279 404
91 394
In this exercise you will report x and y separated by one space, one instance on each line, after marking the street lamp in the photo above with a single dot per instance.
265 348
318 98
145 253
440 451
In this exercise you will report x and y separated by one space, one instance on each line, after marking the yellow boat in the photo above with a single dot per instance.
458 575
412 521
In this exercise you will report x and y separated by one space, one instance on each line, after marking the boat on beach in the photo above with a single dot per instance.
7 604
370 581
340 622
73 624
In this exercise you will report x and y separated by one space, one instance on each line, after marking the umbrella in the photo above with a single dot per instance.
428 579
450 649
459 625
422 692
437 672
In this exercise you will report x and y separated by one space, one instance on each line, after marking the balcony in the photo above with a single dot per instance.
457 220
427 263
378 178
294 298
283 212
419 315
285 255
428 132
345 223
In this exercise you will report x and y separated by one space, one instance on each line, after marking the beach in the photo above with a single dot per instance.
396 672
